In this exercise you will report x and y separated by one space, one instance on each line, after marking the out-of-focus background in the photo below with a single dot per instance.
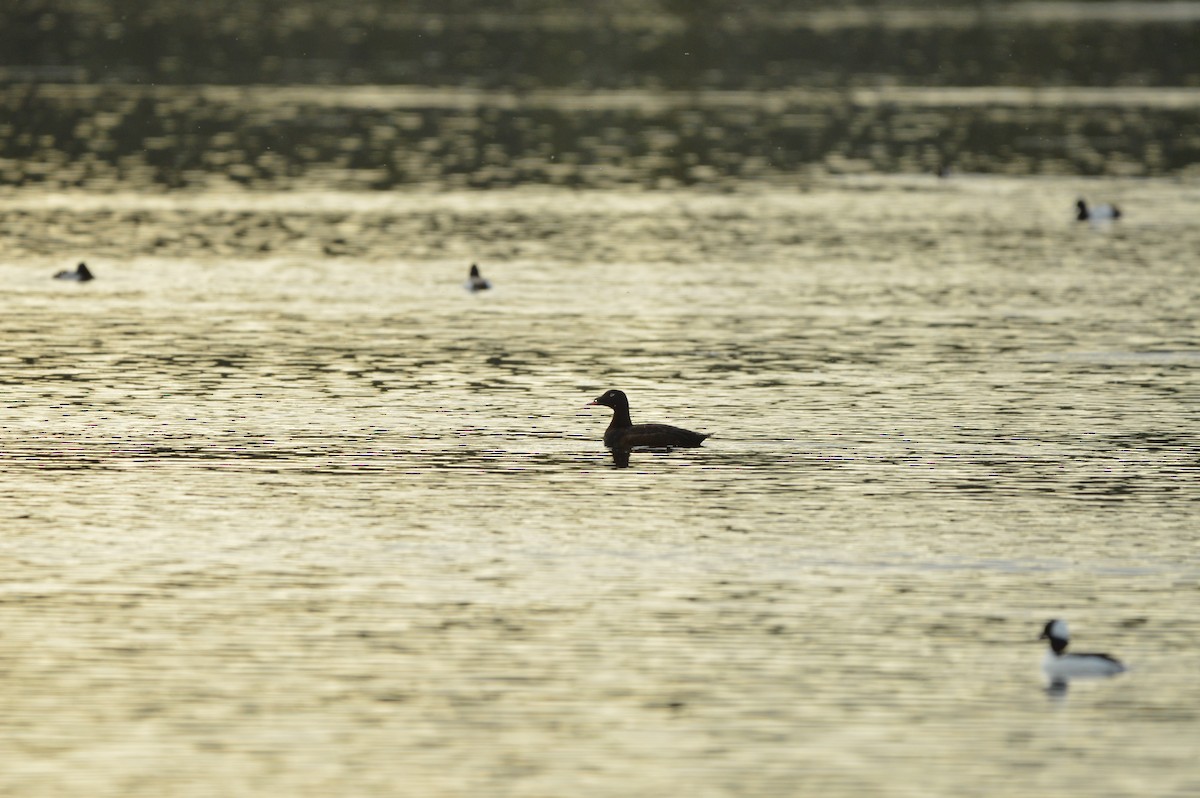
481 94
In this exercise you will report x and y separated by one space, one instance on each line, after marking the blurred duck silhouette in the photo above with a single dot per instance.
81 274
475 281
1095 213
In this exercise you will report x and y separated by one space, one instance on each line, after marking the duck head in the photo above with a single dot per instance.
614 399
1057 633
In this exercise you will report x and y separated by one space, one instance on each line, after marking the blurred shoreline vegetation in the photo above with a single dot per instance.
285 94
525 44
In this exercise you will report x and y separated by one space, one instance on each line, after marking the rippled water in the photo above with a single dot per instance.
285 511
289 516
106 137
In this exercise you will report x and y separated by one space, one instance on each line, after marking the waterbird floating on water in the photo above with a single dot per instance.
81 274
623 435
1061 667
475 281
1095 213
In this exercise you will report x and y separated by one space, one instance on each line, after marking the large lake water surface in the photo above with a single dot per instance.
318 521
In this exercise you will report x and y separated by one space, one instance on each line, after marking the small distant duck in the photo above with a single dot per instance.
622 434
1061 667
81 274
1096 213
475 281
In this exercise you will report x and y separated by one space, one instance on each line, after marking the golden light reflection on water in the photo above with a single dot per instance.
151 138
306 522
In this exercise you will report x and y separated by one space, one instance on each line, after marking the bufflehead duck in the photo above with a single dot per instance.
1060 667
1098 213
622 434
81 274
475 282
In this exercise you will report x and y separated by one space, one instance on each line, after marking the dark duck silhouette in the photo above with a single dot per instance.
81 274
1095 213
623 435
475 281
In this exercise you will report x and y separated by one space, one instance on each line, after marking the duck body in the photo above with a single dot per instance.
1062 667
623 435
1059 666
651 436
1097 213
475 281
81 274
